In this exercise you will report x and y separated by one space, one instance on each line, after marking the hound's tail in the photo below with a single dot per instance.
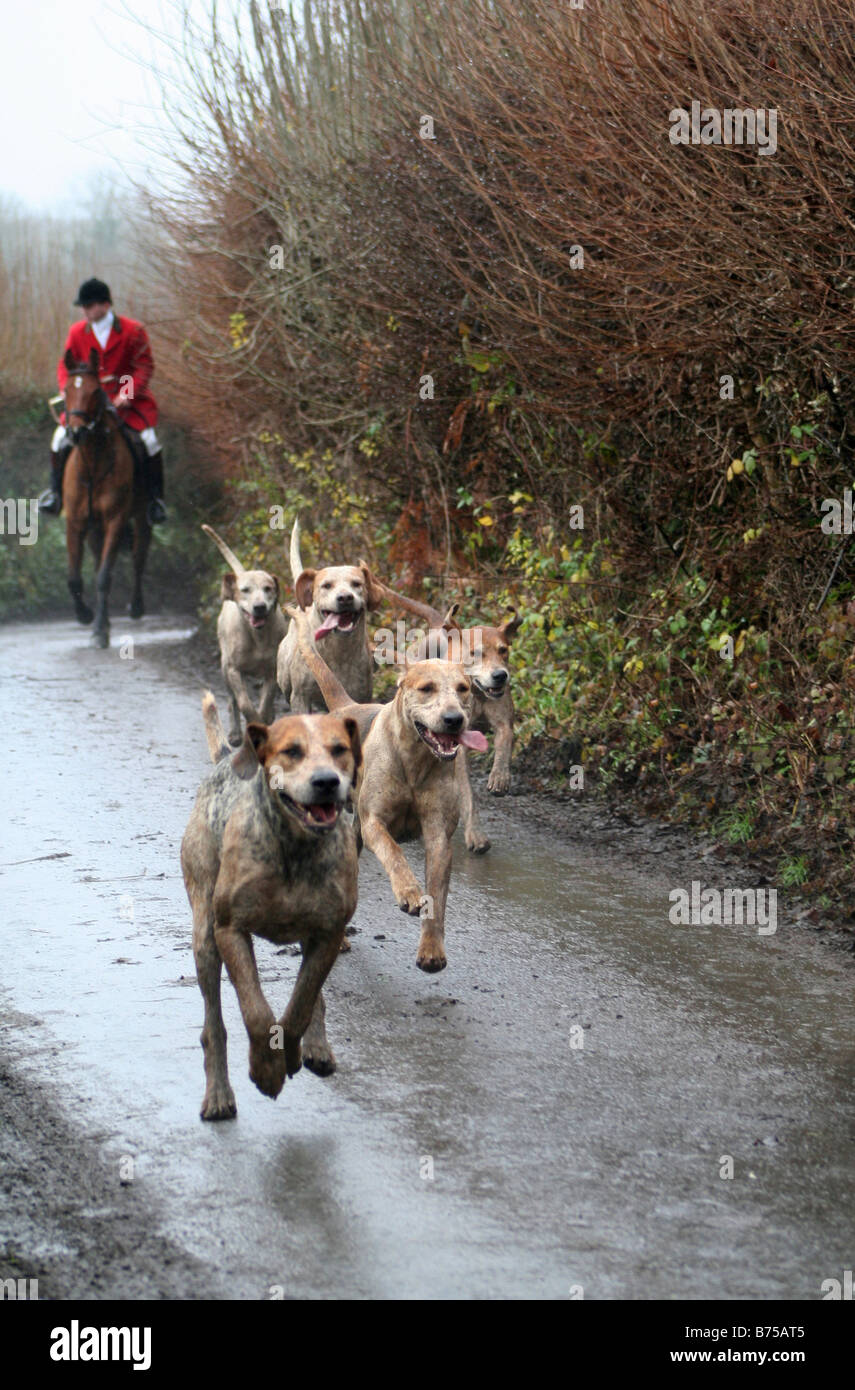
295 557
227 554
334 693
214 732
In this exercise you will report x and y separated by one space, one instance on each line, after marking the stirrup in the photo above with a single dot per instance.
49 502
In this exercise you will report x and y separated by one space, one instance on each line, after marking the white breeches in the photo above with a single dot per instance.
148 437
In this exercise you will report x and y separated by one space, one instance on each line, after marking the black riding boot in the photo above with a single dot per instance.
50 501
154 488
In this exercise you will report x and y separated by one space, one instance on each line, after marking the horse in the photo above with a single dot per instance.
99 495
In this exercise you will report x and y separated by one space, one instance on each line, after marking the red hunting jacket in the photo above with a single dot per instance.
127 353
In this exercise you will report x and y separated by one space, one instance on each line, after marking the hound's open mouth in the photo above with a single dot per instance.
337 622
319 815
489 692
256 622
445 746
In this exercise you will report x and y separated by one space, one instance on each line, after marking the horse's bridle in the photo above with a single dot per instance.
76 431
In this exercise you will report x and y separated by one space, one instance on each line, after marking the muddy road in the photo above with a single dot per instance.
549 1116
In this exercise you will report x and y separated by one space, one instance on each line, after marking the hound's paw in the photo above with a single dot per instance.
266 1066
476 843
219 1103
498 783
293 1056
408 895
319 1058
431 956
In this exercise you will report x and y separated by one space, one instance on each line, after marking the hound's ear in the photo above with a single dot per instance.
449 622
68 359
276 586
374 595
229 587
511 626
247 759
355 742
303 588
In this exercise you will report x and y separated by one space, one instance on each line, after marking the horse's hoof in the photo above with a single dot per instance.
136 608
101 639
84 614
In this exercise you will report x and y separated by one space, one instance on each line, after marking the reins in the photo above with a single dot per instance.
104 411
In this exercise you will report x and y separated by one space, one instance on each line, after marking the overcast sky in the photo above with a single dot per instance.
78 95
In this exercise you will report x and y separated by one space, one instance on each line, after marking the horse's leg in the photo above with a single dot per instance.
75 535
142 540
112 535
95 536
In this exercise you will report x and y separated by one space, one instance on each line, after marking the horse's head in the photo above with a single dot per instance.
85 398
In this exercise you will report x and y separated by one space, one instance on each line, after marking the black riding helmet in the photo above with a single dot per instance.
93 292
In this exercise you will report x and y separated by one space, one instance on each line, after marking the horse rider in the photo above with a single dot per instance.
124 355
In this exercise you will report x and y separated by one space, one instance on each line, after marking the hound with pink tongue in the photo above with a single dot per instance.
403 795
471 738
446 745
345 622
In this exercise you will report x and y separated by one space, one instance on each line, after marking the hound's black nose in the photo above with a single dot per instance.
453 722
500 676
259 610
326 784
